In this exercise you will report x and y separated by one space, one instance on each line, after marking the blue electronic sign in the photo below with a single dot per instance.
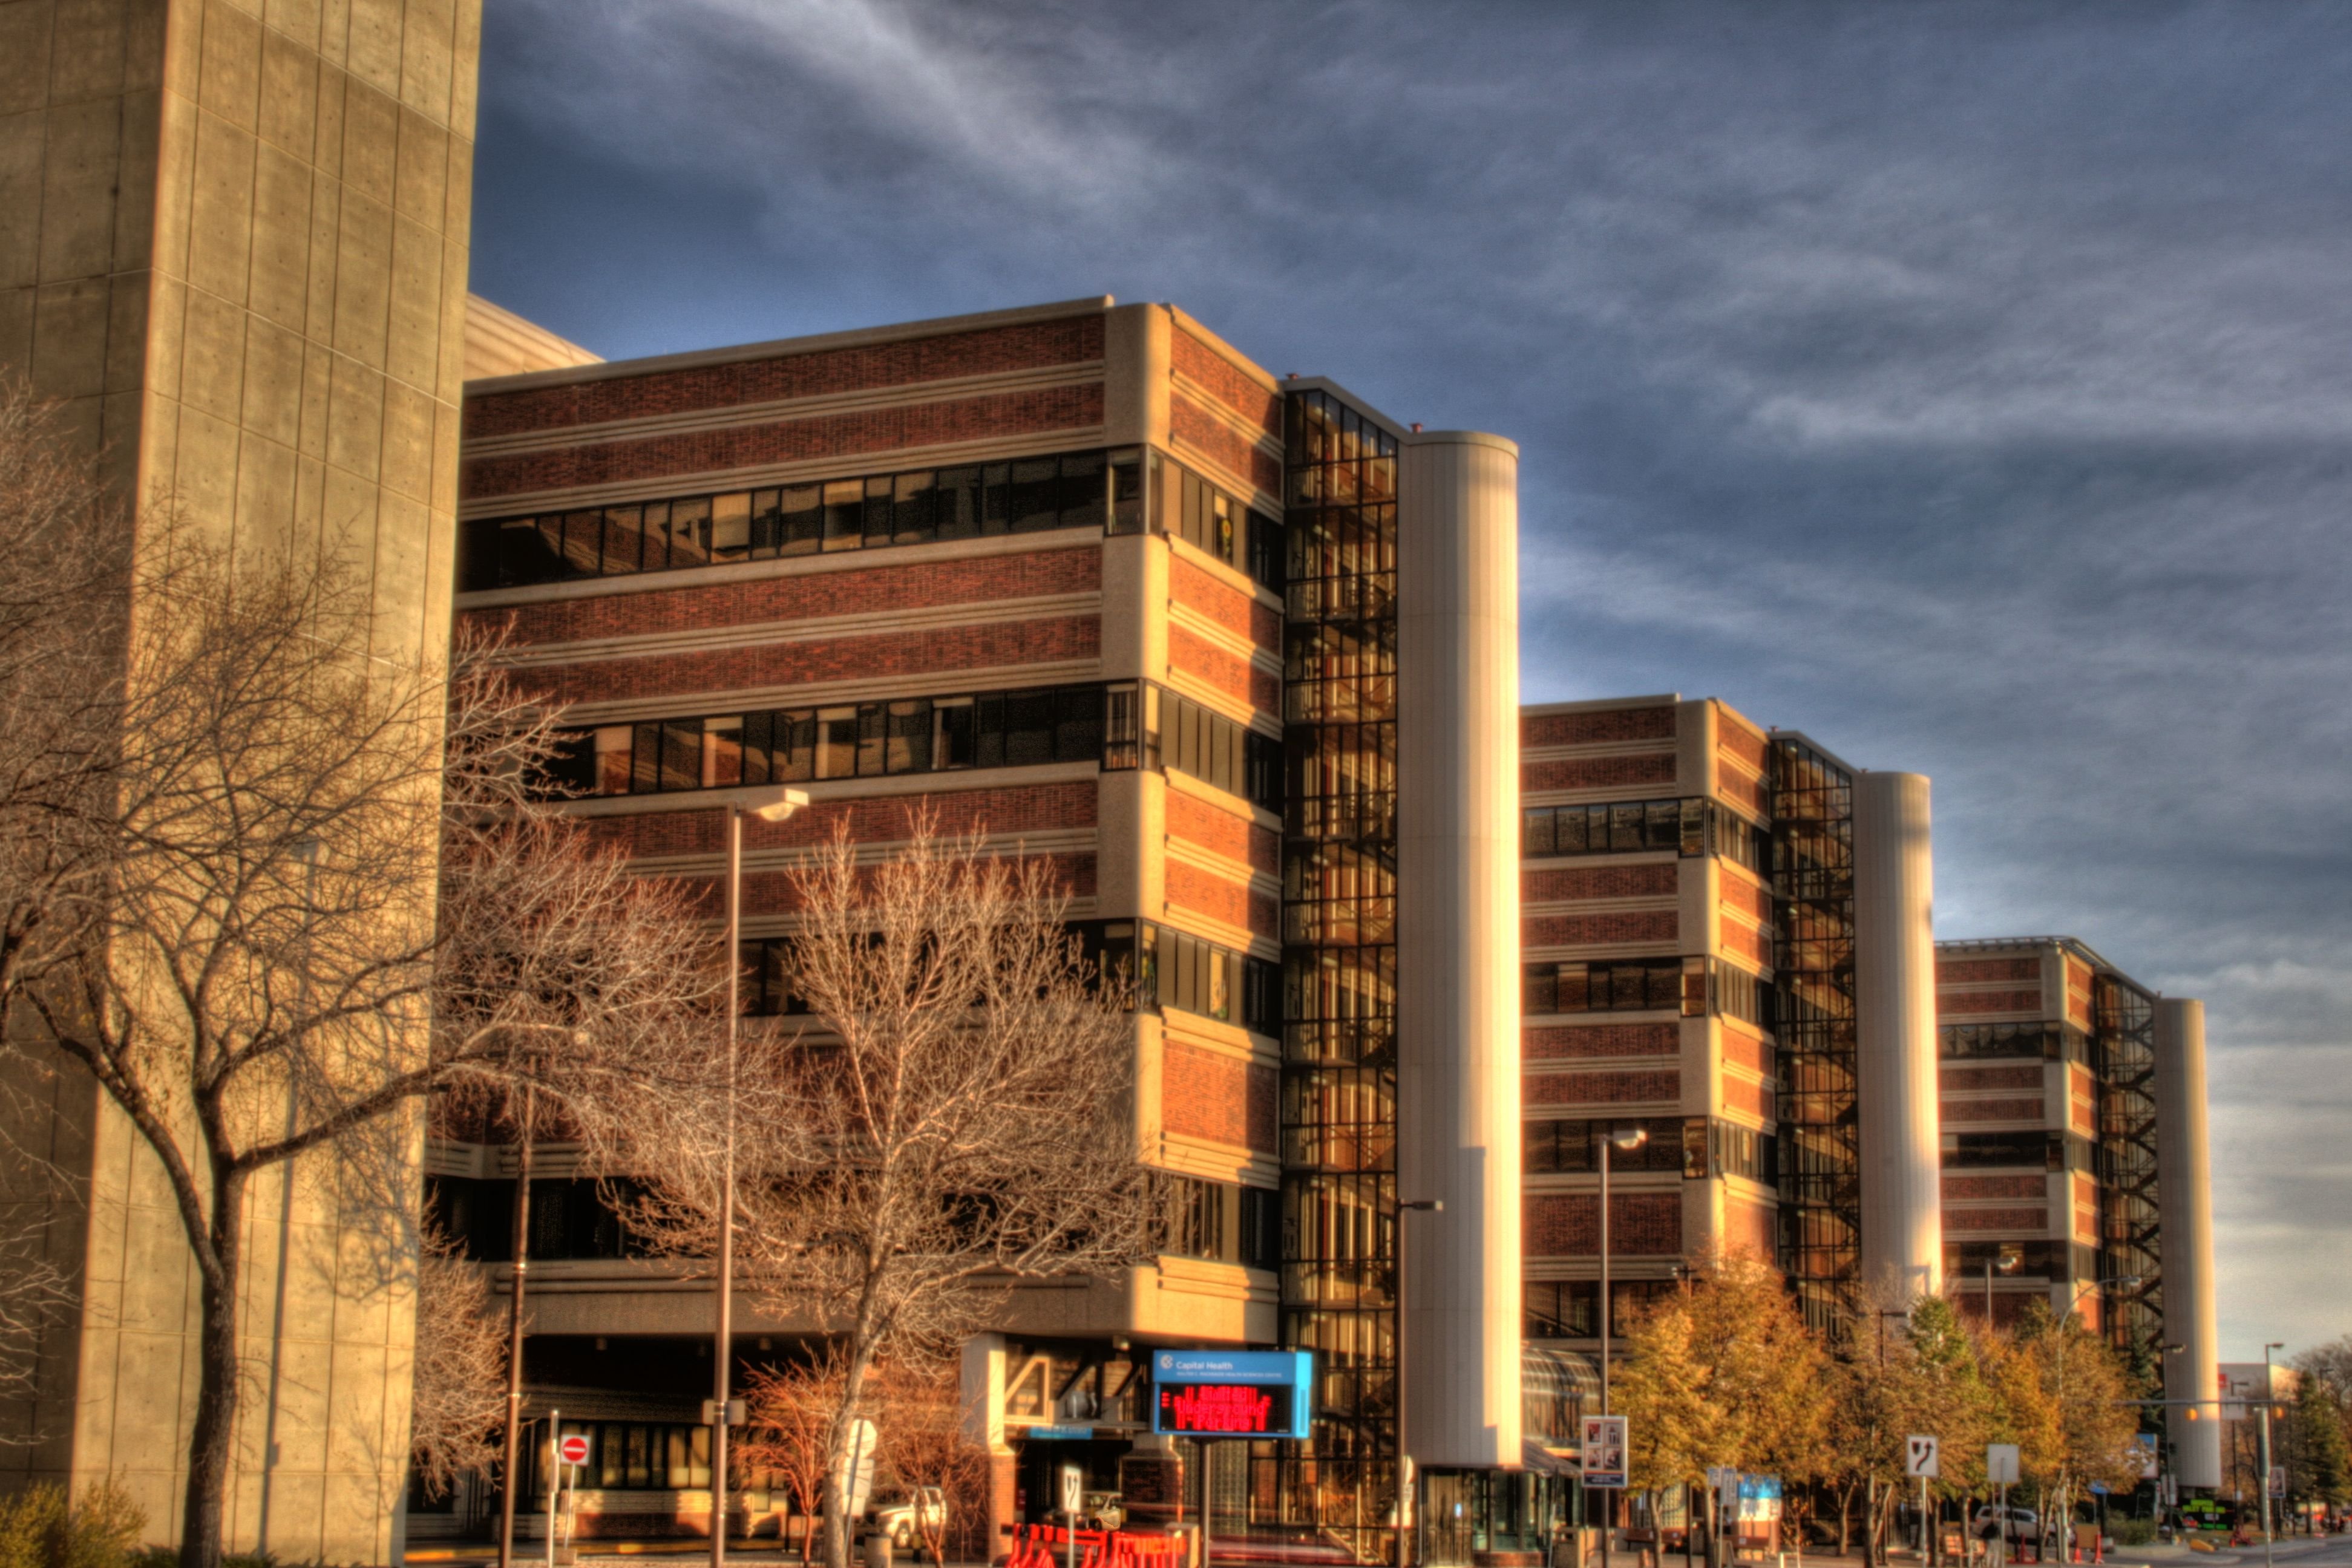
1232 1393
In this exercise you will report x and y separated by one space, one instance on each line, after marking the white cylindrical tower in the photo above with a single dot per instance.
2185 1253
1894 1011
1458 943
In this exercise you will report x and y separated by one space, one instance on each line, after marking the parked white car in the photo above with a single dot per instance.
900 1521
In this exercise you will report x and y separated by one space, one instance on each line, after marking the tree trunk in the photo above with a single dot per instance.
1845 1517
837 1477
211 1437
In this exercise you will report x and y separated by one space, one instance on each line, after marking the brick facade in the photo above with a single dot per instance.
1652 879
946 653
1222 899
1208 1094
2031 1219
1228 606
1965 1002
1961 971
1196 821
1657 1083
1580 930
1221 444
869 433
1599 1039
1568 1225
908 362
1640 769
1961 1078
1222 671
1199 363
1966 1186
1593 728
1992 1110
771 601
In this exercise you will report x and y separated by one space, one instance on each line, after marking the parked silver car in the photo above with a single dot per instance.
904 1524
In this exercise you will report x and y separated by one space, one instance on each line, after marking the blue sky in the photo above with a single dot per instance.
1968 385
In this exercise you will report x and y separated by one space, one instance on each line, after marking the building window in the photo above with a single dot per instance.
1077 489
1687 827
1573 1147
1196 739
864 740
1563 1309
1631 984
2049 1041
1193 1222
1166 968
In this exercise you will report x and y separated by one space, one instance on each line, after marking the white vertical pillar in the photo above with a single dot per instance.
1895 1008
2184 1252
1458 942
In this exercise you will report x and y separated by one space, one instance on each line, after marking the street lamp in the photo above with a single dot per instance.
2269 1393
1628 1137
770 803
1406 1487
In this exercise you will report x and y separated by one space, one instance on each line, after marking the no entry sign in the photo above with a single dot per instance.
573 1448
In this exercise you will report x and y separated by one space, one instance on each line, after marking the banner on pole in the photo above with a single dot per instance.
1604 1452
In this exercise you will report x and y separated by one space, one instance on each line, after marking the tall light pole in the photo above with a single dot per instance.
1628 1137
2267 1396
1405 1487
770 803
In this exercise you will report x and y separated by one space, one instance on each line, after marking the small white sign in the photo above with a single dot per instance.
2000 1464
1074 1489
1920 1457
2278 1480
1724 1482
857 1465
1604 1452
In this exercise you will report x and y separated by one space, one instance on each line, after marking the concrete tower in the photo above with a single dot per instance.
1457 961
2185 1197
233 242
1895 1000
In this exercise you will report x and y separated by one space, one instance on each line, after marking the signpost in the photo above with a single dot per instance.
1604 1453
1922 1457
1073 1499
2000 1469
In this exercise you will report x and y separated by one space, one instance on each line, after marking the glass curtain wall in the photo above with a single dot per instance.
1338 1080
1813 1019
2123 1055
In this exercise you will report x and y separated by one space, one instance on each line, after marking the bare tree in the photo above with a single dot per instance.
460 1398
789 1425
952 1115
926 1452
285 886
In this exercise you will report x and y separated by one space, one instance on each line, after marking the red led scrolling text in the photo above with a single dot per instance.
1215 1408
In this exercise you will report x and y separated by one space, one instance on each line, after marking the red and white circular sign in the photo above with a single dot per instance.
573 1448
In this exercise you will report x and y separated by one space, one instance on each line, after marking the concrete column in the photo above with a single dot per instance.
1457 943
2184 1208
1895 1003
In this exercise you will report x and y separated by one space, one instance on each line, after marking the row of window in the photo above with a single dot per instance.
1687 827
2048 1150
1185 735
2049 1041
570 1218
1694 987
1565 1309
1118 727
1172 968
1075 489
1221 525
1965 1262
1164 967
1221 1222
1668 1144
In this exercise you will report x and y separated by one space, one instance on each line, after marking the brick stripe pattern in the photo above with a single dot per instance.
1641 768
1595 729
1649 880
908 362
1568 1225
1213 373
1208 1094
1603 1088
1573 1043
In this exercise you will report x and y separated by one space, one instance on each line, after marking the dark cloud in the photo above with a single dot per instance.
1967 384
